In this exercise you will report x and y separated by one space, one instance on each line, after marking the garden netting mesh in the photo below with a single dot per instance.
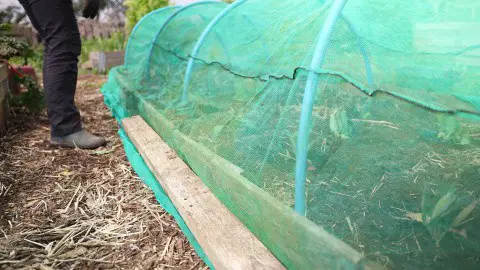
391 155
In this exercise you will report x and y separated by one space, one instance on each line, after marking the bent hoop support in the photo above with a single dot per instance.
166 22
199 43
307 105
363 50
135 28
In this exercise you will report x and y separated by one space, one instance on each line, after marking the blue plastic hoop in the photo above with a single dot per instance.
199 43
363 50
307 105
168 20
135 28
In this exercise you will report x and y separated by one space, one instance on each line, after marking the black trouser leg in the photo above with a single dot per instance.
57 25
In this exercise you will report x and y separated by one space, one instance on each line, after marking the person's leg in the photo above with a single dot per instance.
61 38
55 21
33 20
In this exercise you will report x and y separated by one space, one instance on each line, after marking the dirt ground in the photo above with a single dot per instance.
75 209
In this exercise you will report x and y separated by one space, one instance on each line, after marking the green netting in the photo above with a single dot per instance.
393 162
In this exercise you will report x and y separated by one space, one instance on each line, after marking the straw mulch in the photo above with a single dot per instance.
75 209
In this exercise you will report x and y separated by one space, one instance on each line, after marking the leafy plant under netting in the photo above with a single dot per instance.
386 159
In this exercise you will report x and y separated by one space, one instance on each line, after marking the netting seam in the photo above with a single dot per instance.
353 82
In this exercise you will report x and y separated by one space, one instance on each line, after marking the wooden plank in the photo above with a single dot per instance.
81 29
93 57
227 243
104 31
96 29
34 37
3 82
17 30
27 33
288 235
112 59
24 33
115 55
3 98
88 29
3 72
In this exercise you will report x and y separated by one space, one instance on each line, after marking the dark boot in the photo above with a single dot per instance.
82 139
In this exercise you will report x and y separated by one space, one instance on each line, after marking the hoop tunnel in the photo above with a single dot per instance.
303 136
294 110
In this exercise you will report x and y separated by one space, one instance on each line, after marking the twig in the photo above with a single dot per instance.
35 243
350 225
64 211
191 268
418 244
379 122
342 194
11 261
166 248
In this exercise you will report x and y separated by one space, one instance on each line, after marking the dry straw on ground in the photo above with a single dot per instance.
75 209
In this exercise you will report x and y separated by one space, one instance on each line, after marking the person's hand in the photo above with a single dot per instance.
90 8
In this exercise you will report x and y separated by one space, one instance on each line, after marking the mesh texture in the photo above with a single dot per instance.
394 147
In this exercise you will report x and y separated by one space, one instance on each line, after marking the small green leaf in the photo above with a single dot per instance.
443 205
464 214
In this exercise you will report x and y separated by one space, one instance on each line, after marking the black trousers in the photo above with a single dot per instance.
56 23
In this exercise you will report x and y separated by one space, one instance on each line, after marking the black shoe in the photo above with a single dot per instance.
82 139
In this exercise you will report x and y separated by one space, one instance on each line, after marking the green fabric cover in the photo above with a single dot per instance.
394 148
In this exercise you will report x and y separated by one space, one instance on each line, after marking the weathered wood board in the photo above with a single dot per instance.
3 98
90 29
25 33
225 240
106 60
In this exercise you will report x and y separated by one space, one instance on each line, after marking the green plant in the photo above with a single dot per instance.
5 28
34 59
116 42
11 47
19 51
136 9
33 98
